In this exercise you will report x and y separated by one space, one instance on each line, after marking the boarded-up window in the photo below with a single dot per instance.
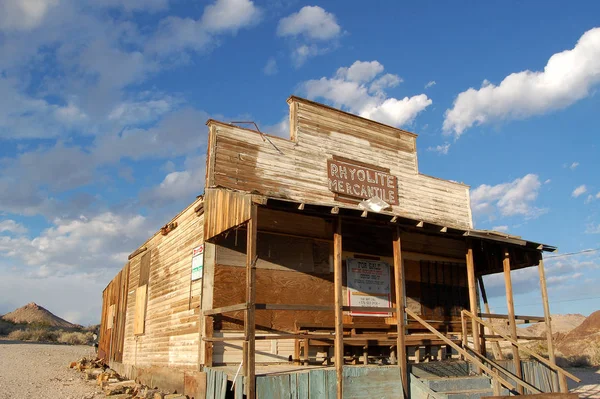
145 269
139 320
110 318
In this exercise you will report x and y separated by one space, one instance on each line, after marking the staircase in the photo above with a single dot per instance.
447 380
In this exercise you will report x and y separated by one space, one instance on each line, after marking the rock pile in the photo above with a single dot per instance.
116 387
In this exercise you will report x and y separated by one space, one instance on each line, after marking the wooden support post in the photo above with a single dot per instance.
473 297
511 316
249 320
339 303
399 285
495 344
562 379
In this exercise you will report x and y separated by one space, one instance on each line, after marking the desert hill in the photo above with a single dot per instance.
33 313
561 323
583 340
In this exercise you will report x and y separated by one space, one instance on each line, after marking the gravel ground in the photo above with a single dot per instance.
32 370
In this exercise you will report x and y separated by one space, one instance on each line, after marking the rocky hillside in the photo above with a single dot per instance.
33 313
582 341
561 323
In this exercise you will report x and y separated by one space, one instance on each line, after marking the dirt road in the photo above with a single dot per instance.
32 370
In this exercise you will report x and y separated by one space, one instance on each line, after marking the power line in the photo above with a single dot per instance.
573 253
560 301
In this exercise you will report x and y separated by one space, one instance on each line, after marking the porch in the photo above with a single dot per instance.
435 317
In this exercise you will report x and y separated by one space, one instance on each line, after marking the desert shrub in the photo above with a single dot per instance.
19 335
75 338
579 361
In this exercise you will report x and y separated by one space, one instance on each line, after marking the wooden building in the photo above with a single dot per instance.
316 266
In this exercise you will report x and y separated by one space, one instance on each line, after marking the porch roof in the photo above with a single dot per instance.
352 210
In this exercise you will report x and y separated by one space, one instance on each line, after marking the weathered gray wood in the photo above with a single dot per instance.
339 320
399 286
249 319
511 315
562 379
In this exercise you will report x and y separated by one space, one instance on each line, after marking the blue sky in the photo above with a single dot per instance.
103 105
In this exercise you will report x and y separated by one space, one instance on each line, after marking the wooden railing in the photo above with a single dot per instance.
463 352
561 373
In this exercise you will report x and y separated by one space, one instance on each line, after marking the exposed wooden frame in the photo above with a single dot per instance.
399 284
339 319
472 296
523 348
562 379
524 319
495 345
249 316
511 315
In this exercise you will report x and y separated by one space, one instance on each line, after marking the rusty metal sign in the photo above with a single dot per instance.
358 180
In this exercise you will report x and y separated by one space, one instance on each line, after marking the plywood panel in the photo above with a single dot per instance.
140 309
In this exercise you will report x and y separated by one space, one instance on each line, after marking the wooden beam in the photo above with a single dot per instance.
525 319
562 379
339 317
495 345
225 309
394 219
511 315
301 207
137 252
472 296
420 224
399 285
444 230
335 210
249 319
364 214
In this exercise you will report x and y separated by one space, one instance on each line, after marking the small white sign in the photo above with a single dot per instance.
369 285
198 262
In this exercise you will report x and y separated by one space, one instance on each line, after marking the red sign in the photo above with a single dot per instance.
358 180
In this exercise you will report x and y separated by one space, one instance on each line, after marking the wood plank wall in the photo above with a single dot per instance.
171 330
241 159
224 209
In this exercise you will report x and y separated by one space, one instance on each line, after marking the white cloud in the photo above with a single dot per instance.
312 31
351 87
281 129
574 165
567 77
177 34
510 199
592 228
179 186
502 228
312 22
548 181
230 15
22 15
360 71
429 84
579 191
143 110
73 246
270 67
441 149
10 226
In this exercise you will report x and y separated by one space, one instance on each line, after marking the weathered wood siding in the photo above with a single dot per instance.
171 330
244 160
224 209
112 324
